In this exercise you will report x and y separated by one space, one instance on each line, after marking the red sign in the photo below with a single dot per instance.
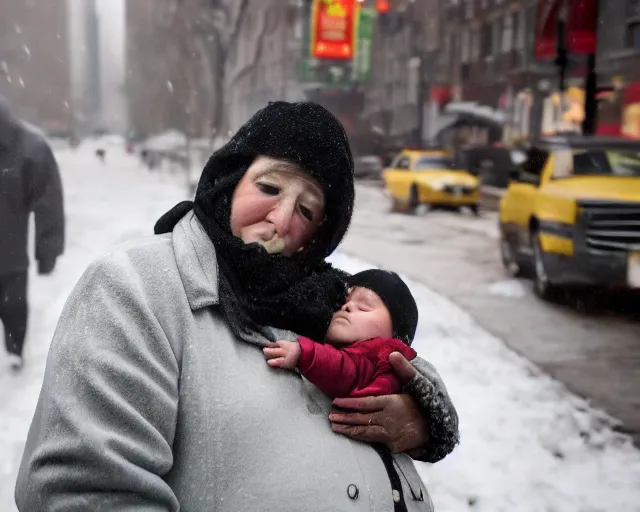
332 29
547 28
582 25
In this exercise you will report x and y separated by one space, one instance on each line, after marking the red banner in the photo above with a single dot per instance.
547 28
582 26
332 29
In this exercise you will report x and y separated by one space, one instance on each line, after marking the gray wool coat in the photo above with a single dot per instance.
149 403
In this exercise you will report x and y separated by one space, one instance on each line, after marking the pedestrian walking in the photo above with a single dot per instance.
29 183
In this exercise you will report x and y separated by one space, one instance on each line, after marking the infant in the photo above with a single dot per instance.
379 317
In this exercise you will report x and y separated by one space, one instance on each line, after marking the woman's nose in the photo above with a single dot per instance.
281 217
346 307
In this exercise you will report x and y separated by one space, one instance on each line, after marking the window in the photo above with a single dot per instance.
633 9
507 33
402 162
520 30
475 46
486 40
533 167
633 36
465 54
496 38
601 162
434 163
469 9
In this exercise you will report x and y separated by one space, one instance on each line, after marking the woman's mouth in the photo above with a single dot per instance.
275 245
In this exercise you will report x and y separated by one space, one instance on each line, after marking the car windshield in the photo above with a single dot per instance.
601 162
433 163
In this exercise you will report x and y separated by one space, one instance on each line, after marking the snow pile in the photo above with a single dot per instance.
512 288
169 140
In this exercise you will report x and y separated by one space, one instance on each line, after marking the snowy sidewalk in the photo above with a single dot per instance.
527 444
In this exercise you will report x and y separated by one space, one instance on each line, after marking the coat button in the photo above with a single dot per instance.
396 496
353 492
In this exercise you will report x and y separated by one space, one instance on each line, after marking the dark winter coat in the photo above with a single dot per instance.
359 369
29 182
149 402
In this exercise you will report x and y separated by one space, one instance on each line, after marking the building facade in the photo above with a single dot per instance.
35 64
86 98
484 55
484 59
618 66
394 96
169 68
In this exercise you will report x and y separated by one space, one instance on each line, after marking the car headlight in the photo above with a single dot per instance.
438 185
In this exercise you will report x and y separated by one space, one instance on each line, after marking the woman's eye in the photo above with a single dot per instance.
306 212
270 190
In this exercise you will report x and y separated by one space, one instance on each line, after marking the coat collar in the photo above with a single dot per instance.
197 264
198 267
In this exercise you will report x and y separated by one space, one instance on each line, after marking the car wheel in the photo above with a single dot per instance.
475 209
508 256
414 199
395 205
542 284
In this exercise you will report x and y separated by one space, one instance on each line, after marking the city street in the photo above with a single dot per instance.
527 443
595 353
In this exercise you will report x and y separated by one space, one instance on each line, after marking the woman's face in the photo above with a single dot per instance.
276 205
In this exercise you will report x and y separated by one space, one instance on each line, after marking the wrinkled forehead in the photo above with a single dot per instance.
269 166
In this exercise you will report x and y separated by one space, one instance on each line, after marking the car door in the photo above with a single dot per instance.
527 190
519 201
398 177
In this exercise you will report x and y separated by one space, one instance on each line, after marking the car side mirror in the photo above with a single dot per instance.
515 175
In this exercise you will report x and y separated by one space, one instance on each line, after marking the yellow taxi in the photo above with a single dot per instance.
571 215
429 178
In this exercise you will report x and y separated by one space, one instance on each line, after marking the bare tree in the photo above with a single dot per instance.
212 32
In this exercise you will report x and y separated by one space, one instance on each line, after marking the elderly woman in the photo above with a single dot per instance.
156 394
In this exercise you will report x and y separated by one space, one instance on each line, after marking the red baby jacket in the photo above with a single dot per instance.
356 370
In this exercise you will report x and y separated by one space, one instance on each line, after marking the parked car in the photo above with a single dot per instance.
571 215
418 177
493 165
368 168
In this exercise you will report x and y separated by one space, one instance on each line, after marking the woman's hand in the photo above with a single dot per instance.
393 420
283 354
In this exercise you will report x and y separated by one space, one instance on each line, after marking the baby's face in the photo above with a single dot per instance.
363 316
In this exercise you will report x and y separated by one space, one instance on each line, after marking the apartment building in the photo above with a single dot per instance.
35 61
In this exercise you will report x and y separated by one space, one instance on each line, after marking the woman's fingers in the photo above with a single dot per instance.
365 404
276 363
352 418
366 434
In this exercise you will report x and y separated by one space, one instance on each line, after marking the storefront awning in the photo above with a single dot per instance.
546 28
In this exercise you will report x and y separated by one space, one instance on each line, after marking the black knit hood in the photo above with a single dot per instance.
307 135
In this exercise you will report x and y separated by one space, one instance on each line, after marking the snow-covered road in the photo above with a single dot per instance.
527 444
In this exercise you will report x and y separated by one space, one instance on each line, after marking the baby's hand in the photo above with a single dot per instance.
283 354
